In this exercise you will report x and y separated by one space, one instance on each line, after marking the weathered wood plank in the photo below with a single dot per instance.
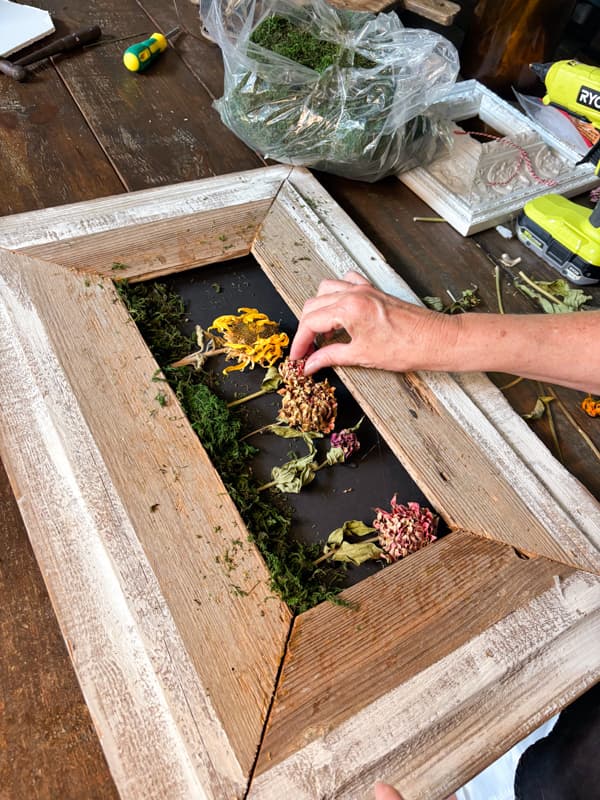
409 616
159 126
49 155
433 428
153 232
207 677
381 693
44 720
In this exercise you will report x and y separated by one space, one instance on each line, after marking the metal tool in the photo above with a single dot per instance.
18 69
565 234
138 57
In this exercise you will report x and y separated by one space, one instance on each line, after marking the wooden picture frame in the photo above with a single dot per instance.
199 692
443 185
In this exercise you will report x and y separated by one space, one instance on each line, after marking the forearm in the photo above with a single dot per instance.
557 348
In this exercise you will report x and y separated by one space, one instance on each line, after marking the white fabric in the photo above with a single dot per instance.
498 780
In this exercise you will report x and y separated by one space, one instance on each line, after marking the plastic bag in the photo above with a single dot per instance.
361 122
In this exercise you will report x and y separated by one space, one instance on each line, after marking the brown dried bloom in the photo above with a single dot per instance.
404 530
306 404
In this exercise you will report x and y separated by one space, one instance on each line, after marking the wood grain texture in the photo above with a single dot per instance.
159 126
43 718
409 616
151 232
205 682
49 155
449 713
429 423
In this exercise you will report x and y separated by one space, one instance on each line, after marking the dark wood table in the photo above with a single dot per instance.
86 128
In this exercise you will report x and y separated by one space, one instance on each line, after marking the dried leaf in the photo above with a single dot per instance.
435 303
335 455
272 380
357 528
291 477
357 553
336 537
554 297
539 408
293 433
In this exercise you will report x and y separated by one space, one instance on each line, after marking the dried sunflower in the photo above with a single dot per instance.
306 404
250 338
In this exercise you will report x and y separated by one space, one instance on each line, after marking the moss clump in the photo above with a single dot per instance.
159 313
281 36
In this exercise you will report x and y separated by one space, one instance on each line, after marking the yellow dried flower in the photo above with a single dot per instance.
250 338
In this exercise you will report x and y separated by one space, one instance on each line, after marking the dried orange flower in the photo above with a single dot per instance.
306 404
251 338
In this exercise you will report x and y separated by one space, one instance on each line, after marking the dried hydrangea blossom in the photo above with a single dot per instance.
347 441
404 530
250 338
306 404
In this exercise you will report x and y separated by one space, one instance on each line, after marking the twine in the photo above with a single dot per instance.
523 158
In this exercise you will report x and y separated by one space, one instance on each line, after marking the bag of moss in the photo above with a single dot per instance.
343 92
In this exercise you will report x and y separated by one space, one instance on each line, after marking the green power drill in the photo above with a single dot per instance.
565 234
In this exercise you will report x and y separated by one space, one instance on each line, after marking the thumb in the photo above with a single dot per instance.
383 791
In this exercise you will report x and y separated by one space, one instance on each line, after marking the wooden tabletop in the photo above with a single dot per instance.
85 128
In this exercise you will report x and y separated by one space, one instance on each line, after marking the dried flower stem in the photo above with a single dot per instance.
574 423
511 384
498 289
247 397
539 289
264 429
191 357
544 391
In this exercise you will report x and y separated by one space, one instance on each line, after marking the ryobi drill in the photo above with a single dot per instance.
565 234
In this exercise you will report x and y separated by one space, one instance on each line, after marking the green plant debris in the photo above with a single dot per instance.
554 297
161 398
160 314
117 265
468 300
281 36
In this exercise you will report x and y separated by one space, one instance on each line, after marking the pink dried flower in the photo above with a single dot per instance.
347 440
292 371
404 529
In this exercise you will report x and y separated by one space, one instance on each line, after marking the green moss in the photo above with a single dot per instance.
159 313
281 36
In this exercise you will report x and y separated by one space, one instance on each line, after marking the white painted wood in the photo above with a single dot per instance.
551 649
466 212
155 720
32 228
553 495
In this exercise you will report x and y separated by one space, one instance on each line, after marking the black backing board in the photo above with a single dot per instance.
339 493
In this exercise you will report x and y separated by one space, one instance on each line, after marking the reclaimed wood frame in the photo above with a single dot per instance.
200 691
469 215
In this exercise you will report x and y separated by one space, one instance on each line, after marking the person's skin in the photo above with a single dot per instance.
383 791
388 333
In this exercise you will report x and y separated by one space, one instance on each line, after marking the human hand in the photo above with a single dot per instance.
383 791
386 333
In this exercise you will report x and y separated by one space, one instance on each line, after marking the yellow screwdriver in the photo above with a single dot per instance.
138 57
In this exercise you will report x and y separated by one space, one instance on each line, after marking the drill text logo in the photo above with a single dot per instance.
588 97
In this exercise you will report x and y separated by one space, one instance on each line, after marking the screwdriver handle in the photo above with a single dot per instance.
139 56
70 42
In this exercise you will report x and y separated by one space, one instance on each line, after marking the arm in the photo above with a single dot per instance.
388 333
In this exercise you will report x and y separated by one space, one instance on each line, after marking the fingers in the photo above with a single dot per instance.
384 791
318 317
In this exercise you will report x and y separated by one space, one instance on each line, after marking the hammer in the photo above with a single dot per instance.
16 69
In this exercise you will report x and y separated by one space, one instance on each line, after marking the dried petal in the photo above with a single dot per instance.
405 529
250 338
